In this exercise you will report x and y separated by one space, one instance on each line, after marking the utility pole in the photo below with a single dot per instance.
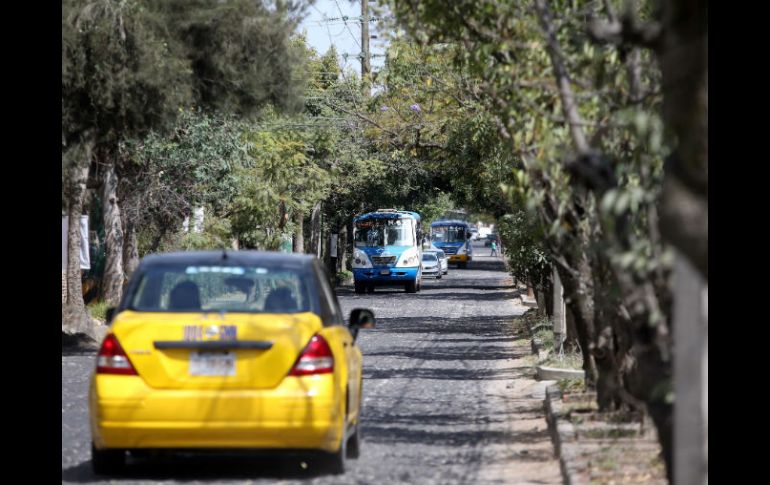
366 68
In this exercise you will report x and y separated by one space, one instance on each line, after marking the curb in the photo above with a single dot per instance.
554 374
562 433
581 446
558 429
528 303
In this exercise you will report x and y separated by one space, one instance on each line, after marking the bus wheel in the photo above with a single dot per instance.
411 287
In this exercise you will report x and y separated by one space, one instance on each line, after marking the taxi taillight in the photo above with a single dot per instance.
112 359
316 358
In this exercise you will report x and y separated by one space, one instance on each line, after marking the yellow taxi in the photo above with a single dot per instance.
228 350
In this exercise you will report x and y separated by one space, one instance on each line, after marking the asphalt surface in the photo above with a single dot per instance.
449 397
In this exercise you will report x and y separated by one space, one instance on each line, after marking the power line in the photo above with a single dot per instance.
346 23
341 20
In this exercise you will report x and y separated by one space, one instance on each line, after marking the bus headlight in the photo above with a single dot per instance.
360 259
410 257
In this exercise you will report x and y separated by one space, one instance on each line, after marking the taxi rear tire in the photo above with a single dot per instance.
354 443
107 462
360 287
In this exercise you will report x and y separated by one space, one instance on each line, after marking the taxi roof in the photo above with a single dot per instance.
228 257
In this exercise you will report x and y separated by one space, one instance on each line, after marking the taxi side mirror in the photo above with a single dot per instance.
360 318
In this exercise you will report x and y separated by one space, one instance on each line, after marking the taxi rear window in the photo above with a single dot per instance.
207 288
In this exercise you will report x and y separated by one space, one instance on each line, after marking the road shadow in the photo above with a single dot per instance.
495 326
459 296
454 353
444 374
429 287
384 433
481 265
188 467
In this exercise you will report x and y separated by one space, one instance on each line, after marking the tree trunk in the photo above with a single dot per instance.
542 305
559 317
74 314
158 239
130 250
112 280
607 355
568 104
571 342
690 375
578 296
547 286
299 234
315 230
683 55
75 318
342 247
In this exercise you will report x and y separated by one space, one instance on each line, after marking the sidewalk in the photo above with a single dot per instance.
523 454
599 448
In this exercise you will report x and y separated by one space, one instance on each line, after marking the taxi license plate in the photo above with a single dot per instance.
384 271
212 363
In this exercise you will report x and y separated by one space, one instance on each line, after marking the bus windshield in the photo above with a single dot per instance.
448 234
384 232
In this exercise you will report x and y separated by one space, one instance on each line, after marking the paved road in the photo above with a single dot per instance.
448 397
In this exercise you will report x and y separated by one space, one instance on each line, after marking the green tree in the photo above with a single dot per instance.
169 173
129 68
570 114
120 77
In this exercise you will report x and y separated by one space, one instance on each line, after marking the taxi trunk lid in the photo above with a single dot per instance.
212 350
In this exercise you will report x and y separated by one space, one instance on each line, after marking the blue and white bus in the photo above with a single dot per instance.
387 250
453 237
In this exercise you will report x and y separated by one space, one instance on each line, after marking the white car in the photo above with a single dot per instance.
431 265
443 259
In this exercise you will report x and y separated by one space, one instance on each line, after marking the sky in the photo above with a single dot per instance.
344 35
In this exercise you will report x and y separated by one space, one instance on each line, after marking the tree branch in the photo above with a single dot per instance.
569 106
627 31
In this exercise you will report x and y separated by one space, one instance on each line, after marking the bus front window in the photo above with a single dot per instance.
449 234
384 232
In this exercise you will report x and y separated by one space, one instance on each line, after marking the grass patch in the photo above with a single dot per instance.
343 276
657 463
570 360
607 464
519 327
576 419
572 385
98 310
530 359
545 336
535 320
610 433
